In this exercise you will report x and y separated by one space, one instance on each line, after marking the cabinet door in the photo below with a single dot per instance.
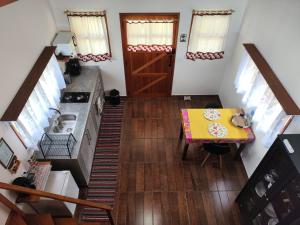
267 216
95 117
286 203
92 138
92 129
84 157
265 182
94 109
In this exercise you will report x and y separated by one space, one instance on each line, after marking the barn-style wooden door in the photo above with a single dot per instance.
149 66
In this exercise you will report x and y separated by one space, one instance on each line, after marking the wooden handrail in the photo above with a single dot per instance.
45 194
34 192
11 205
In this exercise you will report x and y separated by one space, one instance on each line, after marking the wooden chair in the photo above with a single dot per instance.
215 149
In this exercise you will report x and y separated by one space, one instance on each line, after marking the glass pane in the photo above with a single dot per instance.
266 182
288 199
266 217
275 170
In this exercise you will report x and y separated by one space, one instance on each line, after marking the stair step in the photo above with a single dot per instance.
39 219
65 221
71 221
15 219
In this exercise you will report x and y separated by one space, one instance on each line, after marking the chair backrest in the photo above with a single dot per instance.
214 105
39 193
217 148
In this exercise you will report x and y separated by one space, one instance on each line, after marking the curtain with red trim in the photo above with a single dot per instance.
149 35
207 34
91 34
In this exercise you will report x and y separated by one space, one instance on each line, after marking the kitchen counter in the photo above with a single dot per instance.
85 82
87 125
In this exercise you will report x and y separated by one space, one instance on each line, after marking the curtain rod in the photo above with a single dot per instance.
212 12
85 13
130 21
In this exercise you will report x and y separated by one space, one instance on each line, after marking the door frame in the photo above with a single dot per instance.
123 16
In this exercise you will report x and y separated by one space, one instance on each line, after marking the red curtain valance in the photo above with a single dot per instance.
205 55
95 58
149 48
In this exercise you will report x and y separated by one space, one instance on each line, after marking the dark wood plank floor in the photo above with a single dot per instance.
156 187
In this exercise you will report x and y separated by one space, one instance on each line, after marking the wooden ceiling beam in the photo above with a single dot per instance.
283 97
6 2
17 104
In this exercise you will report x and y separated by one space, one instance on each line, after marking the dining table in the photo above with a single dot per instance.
196 128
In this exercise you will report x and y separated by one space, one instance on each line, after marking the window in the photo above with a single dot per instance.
150 35
207 34
34 116
90 29
259 101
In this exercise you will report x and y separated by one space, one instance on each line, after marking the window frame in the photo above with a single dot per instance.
248 90
218 55
95 13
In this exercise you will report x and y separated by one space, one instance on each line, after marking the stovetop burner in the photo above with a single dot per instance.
75 97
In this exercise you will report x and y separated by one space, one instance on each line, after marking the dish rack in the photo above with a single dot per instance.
57 145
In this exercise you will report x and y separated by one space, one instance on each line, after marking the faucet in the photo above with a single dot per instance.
55 110
59 121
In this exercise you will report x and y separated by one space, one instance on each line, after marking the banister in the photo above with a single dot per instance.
45 194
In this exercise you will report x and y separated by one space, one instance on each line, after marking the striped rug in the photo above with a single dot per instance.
103 181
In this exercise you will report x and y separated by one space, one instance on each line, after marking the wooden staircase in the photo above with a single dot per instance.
18 217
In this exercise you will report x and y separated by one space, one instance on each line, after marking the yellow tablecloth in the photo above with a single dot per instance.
199 125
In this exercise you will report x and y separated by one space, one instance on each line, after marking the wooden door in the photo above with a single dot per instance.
149 73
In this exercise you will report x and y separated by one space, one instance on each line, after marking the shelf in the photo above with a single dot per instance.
57 145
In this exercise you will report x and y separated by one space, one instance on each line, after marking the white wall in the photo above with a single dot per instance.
201 77
5 176
26 27
273 26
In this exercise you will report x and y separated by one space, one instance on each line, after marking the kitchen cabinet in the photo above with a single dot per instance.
87 148
98 101
88 144
272 194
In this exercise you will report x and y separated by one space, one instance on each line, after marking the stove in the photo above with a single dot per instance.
75 97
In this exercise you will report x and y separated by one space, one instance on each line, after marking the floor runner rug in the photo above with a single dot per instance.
103 181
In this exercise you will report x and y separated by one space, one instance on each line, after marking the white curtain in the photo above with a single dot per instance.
46 94
149 33
91 34
259 101
208 33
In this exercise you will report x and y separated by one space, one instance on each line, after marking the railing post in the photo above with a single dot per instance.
111 220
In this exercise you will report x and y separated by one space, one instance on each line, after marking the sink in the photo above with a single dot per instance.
64 124
67 117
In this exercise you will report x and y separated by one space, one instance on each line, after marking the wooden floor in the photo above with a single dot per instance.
156 187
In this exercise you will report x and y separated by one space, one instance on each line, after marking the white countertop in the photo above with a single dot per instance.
85 82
